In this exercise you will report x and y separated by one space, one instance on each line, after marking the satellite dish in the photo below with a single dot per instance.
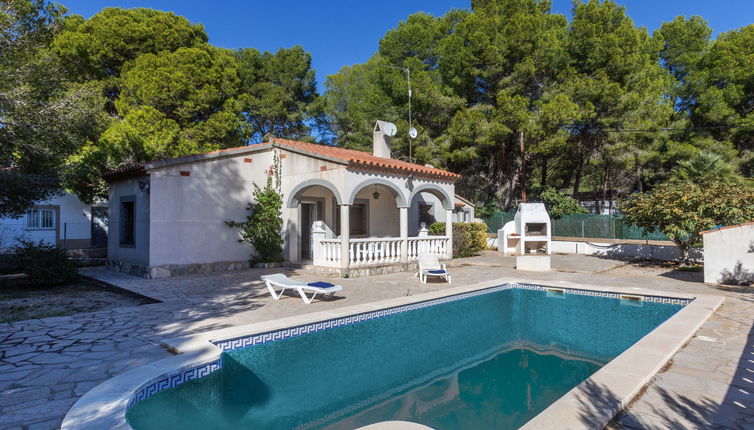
412 133
389 129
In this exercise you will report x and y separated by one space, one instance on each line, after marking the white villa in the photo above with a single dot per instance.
62 220
344 210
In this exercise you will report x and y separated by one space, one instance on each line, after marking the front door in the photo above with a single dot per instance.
310 212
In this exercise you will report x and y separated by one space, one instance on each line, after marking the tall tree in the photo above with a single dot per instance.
723 91
43 116
278 90
171 104
619 85
168 93
99 47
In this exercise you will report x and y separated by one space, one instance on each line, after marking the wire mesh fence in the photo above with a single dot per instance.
587 225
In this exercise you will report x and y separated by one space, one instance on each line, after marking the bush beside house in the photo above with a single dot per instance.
45 264
469 238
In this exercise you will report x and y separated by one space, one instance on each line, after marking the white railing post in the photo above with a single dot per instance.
345 238
449 232
403 256
318 251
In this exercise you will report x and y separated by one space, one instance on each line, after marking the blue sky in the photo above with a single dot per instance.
344 32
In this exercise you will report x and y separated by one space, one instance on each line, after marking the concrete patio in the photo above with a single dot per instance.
45 365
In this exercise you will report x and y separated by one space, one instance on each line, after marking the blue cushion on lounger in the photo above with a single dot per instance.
436 272
320 284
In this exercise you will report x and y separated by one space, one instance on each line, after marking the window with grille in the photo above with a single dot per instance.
127 224
40 218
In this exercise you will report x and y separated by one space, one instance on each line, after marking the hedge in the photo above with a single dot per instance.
469 238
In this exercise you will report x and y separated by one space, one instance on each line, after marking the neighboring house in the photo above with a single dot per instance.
729 254
61 220
342 209
463 211
593 201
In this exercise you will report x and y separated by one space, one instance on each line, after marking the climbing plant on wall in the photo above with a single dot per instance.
263 227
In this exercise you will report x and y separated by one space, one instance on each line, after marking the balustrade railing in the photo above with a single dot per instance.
427 245
376 251
371 251
329 253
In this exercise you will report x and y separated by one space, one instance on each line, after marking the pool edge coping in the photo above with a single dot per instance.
105 405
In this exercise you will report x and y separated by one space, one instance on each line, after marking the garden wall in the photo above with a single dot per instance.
615 248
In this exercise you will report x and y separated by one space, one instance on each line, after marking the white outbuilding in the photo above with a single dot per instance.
729 254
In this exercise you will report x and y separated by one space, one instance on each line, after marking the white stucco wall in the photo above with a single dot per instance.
613 250
383 215
729 254
138 253
188 213
72 224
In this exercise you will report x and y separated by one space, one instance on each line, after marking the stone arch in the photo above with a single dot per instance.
400 199
293 200
445 198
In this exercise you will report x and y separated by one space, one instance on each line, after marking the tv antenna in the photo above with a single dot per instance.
412 133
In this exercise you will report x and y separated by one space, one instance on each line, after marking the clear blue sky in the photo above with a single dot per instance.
344 32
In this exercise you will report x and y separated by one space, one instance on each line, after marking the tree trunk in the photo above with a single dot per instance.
579 172
522 174
639 185
683 250
604 186
543 178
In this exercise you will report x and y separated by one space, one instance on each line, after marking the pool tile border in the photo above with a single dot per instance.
175 380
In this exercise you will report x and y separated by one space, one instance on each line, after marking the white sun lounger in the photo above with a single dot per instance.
283 282
429 265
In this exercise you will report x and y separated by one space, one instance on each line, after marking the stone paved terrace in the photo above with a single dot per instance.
45 365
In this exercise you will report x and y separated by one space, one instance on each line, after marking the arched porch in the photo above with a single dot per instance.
366 225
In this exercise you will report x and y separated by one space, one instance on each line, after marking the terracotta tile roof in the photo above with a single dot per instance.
365 160
727 227
125 172
358 160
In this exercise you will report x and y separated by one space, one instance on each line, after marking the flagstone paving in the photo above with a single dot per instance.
47 364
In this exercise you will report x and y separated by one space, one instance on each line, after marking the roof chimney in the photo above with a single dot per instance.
383 131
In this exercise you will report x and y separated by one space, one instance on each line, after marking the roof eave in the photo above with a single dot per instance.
308 153
448 177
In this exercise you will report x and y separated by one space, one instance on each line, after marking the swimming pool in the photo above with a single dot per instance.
491 358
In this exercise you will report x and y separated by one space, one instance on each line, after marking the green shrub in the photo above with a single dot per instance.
559 204
45 264
469 238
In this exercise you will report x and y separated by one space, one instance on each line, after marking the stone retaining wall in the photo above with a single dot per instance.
170 270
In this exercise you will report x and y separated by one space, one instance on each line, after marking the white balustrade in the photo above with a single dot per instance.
376 251
330 253
427 245
371 251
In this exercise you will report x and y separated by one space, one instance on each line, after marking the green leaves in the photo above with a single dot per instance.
102 45
683 210
277 92
559 204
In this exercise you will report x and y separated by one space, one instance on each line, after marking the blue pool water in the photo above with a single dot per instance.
490 361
